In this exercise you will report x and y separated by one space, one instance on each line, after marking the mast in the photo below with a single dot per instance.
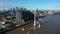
34 18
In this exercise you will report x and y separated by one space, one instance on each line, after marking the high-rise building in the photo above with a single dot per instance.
18 15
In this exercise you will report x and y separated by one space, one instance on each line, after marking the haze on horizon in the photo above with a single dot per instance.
31 4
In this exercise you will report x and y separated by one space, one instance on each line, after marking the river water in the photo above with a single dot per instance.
52 26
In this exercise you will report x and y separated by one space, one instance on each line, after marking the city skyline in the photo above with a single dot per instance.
31 4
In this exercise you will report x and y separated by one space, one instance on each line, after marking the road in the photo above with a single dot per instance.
52 26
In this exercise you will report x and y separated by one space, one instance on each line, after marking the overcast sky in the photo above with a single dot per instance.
31 4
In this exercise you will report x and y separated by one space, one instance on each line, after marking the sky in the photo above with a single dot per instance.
31 4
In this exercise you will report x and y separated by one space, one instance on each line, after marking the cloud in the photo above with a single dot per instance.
5 6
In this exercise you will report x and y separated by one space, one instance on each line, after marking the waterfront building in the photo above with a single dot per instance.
18 15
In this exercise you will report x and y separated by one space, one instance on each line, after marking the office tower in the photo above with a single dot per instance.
10 9
13 9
